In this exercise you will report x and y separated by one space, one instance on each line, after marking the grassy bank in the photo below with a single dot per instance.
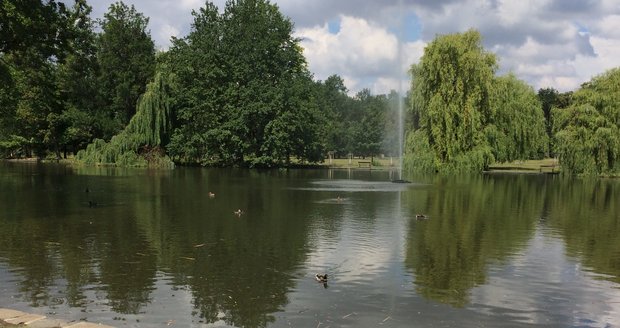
547 165
377 162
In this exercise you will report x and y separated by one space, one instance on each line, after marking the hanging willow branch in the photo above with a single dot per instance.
139 143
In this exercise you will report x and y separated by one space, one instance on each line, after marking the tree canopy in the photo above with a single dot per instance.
452 87
587 134
466 117
245 94
236 91
516 129
139 143
126 56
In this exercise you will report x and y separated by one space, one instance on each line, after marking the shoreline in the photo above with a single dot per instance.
14 318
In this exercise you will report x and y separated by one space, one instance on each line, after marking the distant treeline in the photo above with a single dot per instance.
237 91
466 118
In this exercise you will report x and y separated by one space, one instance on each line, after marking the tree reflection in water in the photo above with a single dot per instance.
157 234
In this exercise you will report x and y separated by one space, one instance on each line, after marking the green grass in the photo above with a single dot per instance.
377 162
542 165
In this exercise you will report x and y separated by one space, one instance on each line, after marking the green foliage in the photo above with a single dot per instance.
139 143
587 142
32 25
464 117
550 98
355 125
587 134
12 146
36 105
452 84
424 160
245 96
77 82
33 38
50 75
336 105
126 56
368 131
516 129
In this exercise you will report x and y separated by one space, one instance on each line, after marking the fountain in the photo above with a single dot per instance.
400 107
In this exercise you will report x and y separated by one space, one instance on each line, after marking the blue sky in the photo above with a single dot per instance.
370 43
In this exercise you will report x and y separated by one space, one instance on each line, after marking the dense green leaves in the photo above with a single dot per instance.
516 129
139 143
32 25
245 95
238 92
452 83
588 132
126 56
464 117
54 95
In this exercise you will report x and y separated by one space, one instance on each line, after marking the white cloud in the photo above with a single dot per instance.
548 43
359 51
609 26
191 4
166 31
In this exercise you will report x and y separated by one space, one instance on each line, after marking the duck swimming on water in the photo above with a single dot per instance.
321 277
211 195
238 212
420 217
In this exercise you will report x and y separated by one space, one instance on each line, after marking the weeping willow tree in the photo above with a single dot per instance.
140 143
587 134
451 97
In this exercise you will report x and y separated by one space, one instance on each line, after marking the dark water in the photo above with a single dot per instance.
156 250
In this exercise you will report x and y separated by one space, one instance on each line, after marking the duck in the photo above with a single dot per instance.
211 195
321 277
420 217
238 212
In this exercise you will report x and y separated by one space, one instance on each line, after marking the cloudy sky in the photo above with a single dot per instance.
370 43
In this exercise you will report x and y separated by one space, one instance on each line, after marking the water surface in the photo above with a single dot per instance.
140 248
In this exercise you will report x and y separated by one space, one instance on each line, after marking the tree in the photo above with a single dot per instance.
452 83
335 105
126 57
245 94
516 130
139 144
369 130
587 134
195 60
34 38
84 114
53 74
31 24
550 98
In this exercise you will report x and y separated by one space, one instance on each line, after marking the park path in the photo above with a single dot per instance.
40 321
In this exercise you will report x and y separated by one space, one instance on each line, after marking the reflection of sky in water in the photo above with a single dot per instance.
361 240
541 285
537 286
356 186
364 247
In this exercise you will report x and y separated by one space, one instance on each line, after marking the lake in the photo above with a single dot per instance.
147 248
